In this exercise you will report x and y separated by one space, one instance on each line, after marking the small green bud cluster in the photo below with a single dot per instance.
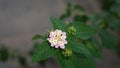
67 52
72 30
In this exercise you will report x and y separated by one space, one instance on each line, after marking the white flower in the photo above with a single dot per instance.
57 39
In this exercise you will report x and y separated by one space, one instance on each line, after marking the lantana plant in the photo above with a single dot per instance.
69 43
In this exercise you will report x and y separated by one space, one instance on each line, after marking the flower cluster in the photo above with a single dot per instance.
57 39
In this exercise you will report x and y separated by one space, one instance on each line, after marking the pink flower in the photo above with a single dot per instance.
57 39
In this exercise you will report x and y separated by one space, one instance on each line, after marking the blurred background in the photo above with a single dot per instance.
20 20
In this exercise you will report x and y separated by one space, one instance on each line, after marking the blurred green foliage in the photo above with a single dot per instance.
89 40
4 54
22 60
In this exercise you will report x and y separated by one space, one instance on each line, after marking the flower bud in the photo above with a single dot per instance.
67 52
72 30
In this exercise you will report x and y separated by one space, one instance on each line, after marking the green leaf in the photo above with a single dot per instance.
67 14
80 18
4 54
37 36
115 7
68 11
58 24
67 62
43 52
118 1
83 31
78 47
97 19
107 4
117 49
69 4
80 8
22 61
86 63
63 16
115 23
108 40
95 48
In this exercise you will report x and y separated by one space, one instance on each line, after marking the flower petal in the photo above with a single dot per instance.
62 47
58 32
